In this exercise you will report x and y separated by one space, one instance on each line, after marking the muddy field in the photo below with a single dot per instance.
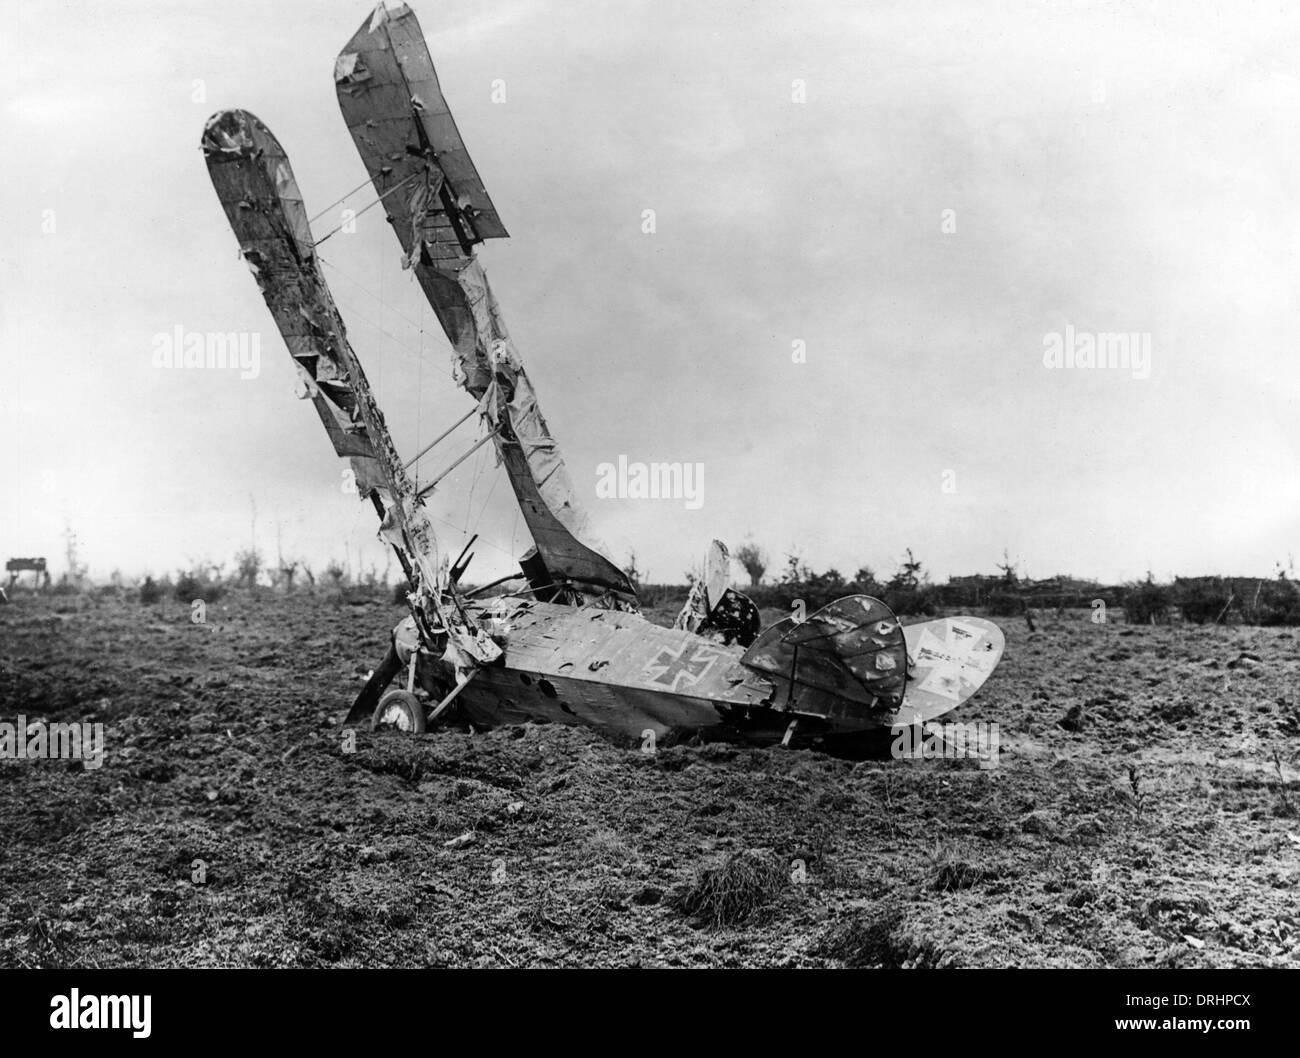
1143 813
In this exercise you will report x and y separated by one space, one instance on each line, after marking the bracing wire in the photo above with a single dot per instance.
366 209
392 338
339 201
473 484
452 525
357 283
496 480
419 354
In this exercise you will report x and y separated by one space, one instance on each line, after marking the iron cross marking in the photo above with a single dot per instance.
690 663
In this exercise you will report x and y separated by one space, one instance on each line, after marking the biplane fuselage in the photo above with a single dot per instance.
610 669
621 673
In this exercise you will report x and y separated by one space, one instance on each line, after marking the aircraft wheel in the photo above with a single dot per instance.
399 710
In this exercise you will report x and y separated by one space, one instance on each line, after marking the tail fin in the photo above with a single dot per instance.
714 608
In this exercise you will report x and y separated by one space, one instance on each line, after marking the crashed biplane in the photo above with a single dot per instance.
567 643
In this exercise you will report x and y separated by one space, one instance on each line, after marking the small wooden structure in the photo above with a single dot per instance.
35 566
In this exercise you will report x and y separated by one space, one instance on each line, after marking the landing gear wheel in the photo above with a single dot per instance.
400 710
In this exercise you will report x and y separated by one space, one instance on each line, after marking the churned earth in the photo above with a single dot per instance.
1143 812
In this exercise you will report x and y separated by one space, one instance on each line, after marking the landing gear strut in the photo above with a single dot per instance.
401 709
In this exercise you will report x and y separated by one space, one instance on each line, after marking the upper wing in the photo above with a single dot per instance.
436 203
390 97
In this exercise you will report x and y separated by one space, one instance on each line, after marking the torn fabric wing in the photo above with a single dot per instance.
400 122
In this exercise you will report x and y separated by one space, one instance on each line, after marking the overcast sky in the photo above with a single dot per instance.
1108 167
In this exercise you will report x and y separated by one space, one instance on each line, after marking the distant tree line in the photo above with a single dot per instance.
909 591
